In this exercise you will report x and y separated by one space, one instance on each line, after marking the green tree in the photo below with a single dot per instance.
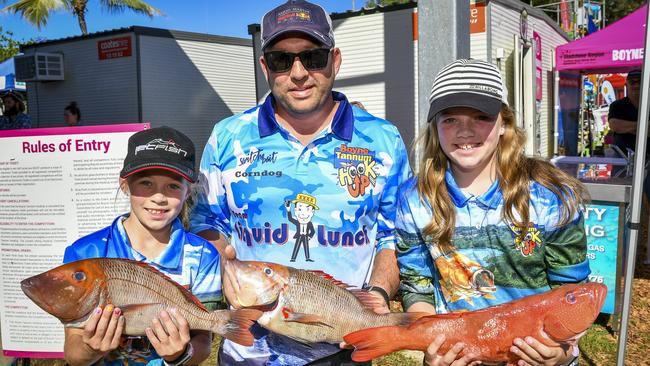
9 47
38 11
614 9
374 3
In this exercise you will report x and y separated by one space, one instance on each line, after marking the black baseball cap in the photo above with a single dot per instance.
160 148
297 16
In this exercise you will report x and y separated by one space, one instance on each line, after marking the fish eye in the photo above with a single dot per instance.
570 298
79 276
268 271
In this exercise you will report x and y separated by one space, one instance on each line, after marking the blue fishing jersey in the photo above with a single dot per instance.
189 260
325 206
490 263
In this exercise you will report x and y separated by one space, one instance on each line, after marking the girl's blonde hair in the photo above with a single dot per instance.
514 170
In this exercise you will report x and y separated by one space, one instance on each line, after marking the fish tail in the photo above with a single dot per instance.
371 343
237 328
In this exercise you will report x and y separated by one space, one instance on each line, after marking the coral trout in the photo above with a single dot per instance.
560 314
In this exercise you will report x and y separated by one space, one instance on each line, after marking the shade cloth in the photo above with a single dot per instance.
616 48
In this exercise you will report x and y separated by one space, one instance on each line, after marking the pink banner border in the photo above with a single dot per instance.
25 354
78 130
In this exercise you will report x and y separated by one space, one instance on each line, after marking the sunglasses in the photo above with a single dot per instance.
280 61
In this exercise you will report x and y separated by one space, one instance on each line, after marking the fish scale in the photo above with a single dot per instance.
130 285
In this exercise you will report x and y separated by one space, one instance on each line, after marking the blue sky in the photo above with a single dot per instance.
219 17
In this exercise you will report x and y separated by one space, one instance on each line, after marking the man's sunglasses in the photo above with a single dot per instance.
280 61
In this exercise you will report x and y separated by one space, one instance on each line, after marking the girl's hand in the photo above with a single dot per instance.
169 334
535 353
432 358
103 330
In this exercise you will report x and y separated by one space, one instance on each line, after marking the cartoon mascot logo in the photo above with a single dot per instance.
304 207
530 240
357 169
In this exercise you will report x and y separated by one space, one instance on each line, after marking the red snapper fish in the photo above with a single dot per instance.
308 306
562 314
72 291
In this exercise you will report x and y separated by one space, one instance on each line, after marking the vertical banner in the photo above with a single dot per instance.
602 227
477 16
565 21
56 185
538 66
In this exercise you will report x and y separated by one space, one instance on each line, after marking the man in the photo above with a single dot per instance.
623 113
14 116
304 141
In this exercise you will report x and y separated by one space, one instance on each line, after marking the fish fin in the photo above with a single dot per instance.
186 293
290 316
238 327
330 278
367 299
371 343
556 329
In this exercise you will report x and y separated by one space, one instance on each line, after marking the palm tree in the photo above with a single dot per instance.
37 11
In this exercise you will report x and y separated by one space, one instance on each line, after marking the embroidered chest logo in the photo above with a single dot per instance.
529 242
356 169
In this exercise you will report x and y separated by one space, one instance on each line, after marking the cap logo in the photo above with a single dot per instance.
485 88
160 144
294 14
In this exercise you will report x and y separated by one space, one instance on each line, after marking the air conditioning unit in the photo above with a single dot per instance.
39 66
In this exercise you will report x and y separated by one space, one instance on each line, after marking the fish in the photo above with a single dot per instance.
460 277
307 306
562 314
72 291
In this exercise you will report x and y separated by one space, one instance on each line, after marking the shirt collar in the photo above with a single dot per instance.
491 198
170 256
342 124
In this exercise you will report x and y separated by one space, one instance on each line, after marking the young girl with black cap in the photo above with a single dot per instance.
482 224
157 176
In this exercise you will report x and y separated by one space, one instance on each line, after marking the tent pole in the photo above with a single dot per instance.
556 105
636 199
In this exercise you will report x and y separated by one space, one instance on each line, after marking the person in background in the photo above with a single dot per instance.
623 118
157 176
482 224
305 153
72 115
13 114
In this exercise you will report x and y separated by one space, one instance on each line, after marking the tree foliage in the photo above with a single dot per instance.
9 47
37 12
614 9
374 3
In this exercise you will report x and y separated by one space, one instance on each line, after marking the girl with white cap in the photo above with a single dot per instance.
482 224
